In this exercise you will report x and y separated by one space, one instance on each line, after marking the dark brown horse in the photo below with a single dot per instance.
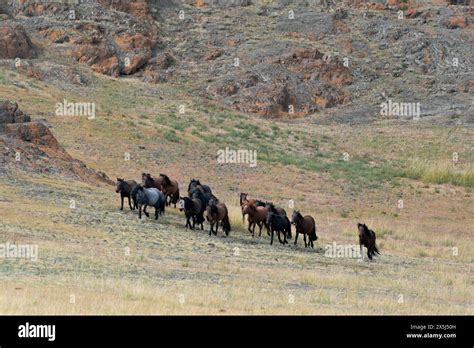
193 210
306 226
170 188
257 215
148 181
367 238
217 212
124 187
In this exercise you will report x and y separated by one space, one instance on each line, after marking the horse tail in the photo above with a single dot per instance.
312 235
226 222
375 250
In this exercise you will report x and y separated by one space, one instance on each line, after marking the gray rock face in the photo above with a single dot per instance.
9 113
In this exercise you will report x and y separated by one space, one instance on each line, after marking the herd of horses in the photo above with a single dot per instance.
201 205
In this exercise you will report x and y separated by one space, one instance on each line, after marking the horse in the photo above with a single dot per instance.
195 183
170 188
244 200
217 212
277 210
367 238
305 225
256 216
193 209
278 223
204 196
149 196
124 187
148 181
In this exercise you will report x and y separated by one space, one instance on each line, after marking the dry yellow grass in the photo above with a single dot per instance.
426 246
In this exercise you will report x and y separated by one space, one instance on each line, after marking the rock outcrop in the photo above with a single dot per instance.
14 42
32 147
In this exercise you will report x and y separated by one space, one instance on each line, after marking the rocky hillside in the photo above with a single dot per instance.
31 147
329 60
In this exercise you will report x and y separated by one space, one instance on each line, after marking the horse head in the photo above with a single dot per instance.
118 185
296 217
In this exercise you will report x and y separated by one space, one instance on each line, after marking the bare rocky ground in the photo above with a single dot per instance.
139 61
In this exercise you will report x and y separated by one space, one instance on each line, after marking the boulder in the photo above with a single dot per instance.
14 42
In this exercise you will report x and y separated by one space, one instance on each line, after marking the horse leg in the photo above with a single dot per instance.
139 211
271 238
130 203
279 238
210 228
260 227
144 210
156 212
361 252
304 238
296 237
217 227
121 202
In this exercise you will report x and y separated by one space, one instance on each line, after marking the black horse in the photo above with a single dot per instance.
125 187
278 223
193 209
204 196
279 211
367 239
195 183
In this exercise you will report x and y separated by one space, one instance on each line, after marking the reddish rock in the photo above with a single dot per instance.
128 42
14 42
456 22
108 66
55 35
138 8
100 57
412 13
213 53
133 63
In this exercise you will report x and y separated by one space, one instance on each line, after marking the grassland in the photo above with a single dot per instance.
113 263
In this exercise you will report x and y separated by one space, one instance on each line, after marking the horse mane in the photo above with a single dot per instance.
167 179
193 181
272 207
136 188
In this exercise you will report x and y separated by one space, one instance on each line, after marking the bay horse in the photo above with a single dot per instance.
244 200
367 238
149 197
306 226
217 212
148 181
193 209
278 223
170 188
256 216
124 187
